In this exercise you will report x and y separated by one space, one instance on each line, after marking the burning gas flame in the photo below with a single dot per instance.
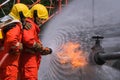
71 53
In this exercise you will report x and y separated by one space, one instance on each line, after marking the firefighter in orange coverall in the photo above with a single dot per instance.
1 44
12 42
32 47
1 48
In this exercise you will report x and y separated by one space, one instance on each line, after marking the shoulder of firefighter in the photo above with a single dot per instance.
7 20
7 23
26 24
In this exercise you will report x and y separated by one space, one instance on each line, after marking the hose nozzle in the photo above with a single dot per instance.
46 51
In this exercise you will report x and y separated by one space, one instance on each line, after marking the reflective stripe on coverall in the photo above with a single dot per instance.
30 61
9 67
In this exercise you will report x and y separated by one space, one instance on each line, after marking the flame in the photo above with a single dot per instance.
72 54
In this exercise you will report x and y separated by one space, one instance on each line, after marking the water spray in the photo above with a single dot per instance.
98 55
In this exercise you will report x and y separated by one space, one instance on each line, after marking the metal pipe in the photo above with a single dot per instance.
98 56
18 1
101 58
4 3
66 2
60 5
110 56
34 3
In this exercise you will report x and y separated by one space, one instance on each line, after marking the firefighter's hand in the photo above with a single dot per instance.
38 47
27 25
16 49
14 52
46 51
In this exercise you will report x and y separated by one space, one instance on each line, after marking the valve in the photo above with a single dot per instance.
98 56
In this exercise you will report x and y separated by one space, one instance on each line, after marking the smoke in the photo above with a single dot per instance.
75 24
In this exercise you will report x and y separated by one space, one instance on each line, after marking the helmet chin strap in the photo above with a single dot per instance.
35 16
22 17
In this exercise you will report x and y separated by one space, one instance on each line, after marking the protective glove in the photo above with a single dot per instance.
27 25
38 47
46 51
16 49
14 52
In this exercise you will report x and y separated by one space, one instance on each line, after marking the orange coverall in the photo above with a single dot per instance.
1 48
9 68
30 60
1 54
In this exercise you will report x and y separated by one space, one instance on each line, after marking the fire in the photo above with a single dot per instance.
72 54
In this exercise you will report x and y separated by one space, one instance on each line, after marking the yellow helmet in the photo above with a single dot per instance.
1 36
19 7
41 11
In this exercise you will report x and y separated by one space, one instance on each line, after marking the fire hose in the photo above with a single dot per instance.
7 54
3 58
